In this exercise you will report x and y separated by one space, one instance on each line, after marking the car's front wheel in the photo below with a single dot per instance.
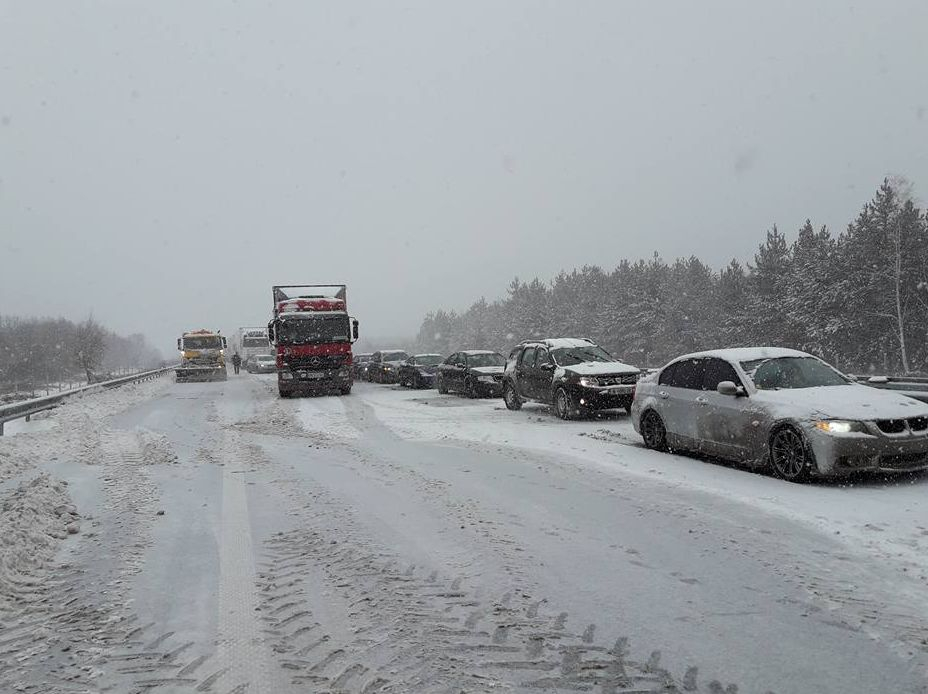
564 404
653 431
440 385
790 455
470 388
511 397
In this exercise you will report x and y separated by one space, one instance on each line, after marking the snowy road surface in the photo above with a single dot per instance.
214 538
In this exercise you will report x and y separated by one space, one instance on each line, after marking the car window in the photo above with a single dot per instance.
714 371
528 357
411 361
542 357
793 372
569 356
666 377
491 359
687 374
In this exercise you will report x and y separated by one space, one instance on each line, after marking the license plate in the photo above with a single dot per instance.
621 389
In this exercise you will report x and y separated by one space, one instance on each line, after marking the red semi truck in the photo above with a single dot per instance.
312 335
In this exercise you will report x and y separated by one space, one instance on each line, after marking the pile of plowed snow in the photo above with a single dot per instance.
34 518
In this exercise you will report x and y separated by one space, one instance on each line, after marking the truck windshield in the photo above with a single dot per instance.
259 341
211 342
308 330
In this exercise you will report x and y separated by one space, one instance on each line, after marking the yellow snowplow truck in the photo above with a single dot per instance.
202 356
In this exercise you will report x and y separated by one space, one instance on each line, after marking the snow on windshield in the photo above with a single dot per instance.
792 372
569 356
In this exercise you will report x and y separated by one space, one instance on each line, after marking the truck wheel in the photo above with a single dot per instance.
284 393
511 397
345 391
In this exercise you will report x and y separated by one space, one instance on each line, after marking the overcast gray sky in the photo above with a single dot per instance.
163 163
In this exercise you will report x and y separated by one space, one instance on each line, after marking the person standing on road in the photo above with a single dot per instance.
236 362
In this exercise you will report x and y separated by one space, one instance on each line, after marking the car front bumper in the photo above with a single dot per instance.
608 398
843 454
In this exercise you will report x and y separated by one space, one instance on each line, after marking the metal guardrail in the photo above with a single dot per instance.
912 386
27 408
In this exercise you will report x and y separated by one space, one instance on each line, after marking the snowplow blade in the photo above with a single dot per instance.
188 375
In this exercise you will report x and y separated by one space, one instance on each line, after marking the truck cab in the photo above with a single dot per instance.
312 335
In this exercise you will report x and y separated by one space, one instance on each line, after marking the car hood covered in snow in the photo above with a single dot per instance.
601 368
853 402
489 370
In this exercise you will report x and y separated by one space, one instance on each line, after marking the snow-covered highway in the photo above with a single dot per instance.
215 538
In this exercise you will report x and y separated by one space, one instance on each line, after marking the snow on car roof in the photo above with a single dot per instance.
427 354
478 351
566 342
747 353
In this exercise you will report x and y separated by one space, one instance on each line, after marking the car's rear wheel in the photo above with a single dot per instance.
564 404
790 455
511 397
653 431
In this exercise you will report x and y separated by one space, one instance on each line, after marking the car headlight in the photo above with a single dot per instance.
388 368
486 379
589 381
424 373
838 426
286 376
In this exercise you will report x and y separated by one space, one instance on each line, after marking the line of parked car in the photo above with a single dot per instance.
762 407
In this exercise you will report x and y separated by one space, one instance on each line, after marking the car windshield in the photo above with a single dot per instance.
480 360
792 372
264 359
302 331
568 356
428 359
395 356
362 358
211 342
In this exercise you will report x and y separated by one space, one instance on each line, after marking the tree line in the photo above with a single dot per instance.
858 299
36 352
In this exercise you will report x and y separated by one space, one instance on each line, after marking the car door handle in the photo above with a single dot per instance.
664 394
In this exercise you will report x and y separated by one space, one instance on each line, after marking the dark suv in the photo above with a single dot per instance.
384 366
572 374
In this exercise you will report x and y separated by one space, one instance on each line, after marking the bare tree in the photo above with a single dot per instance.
89 347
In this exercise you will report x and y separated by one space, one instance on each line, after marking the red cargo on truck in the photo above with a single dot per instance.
312 335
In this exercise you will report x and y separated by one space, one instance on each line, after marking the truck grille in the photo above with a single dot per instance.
317 362
897 426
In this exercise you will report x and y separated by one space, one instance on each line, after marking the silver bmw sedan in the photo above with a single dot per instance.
763 406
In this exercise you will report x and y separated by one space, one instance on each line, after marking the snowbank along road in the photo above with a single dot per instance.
215 538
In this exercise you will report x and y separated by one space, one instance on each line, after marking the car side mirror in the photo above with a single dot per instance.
729 388
179 348
354 328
